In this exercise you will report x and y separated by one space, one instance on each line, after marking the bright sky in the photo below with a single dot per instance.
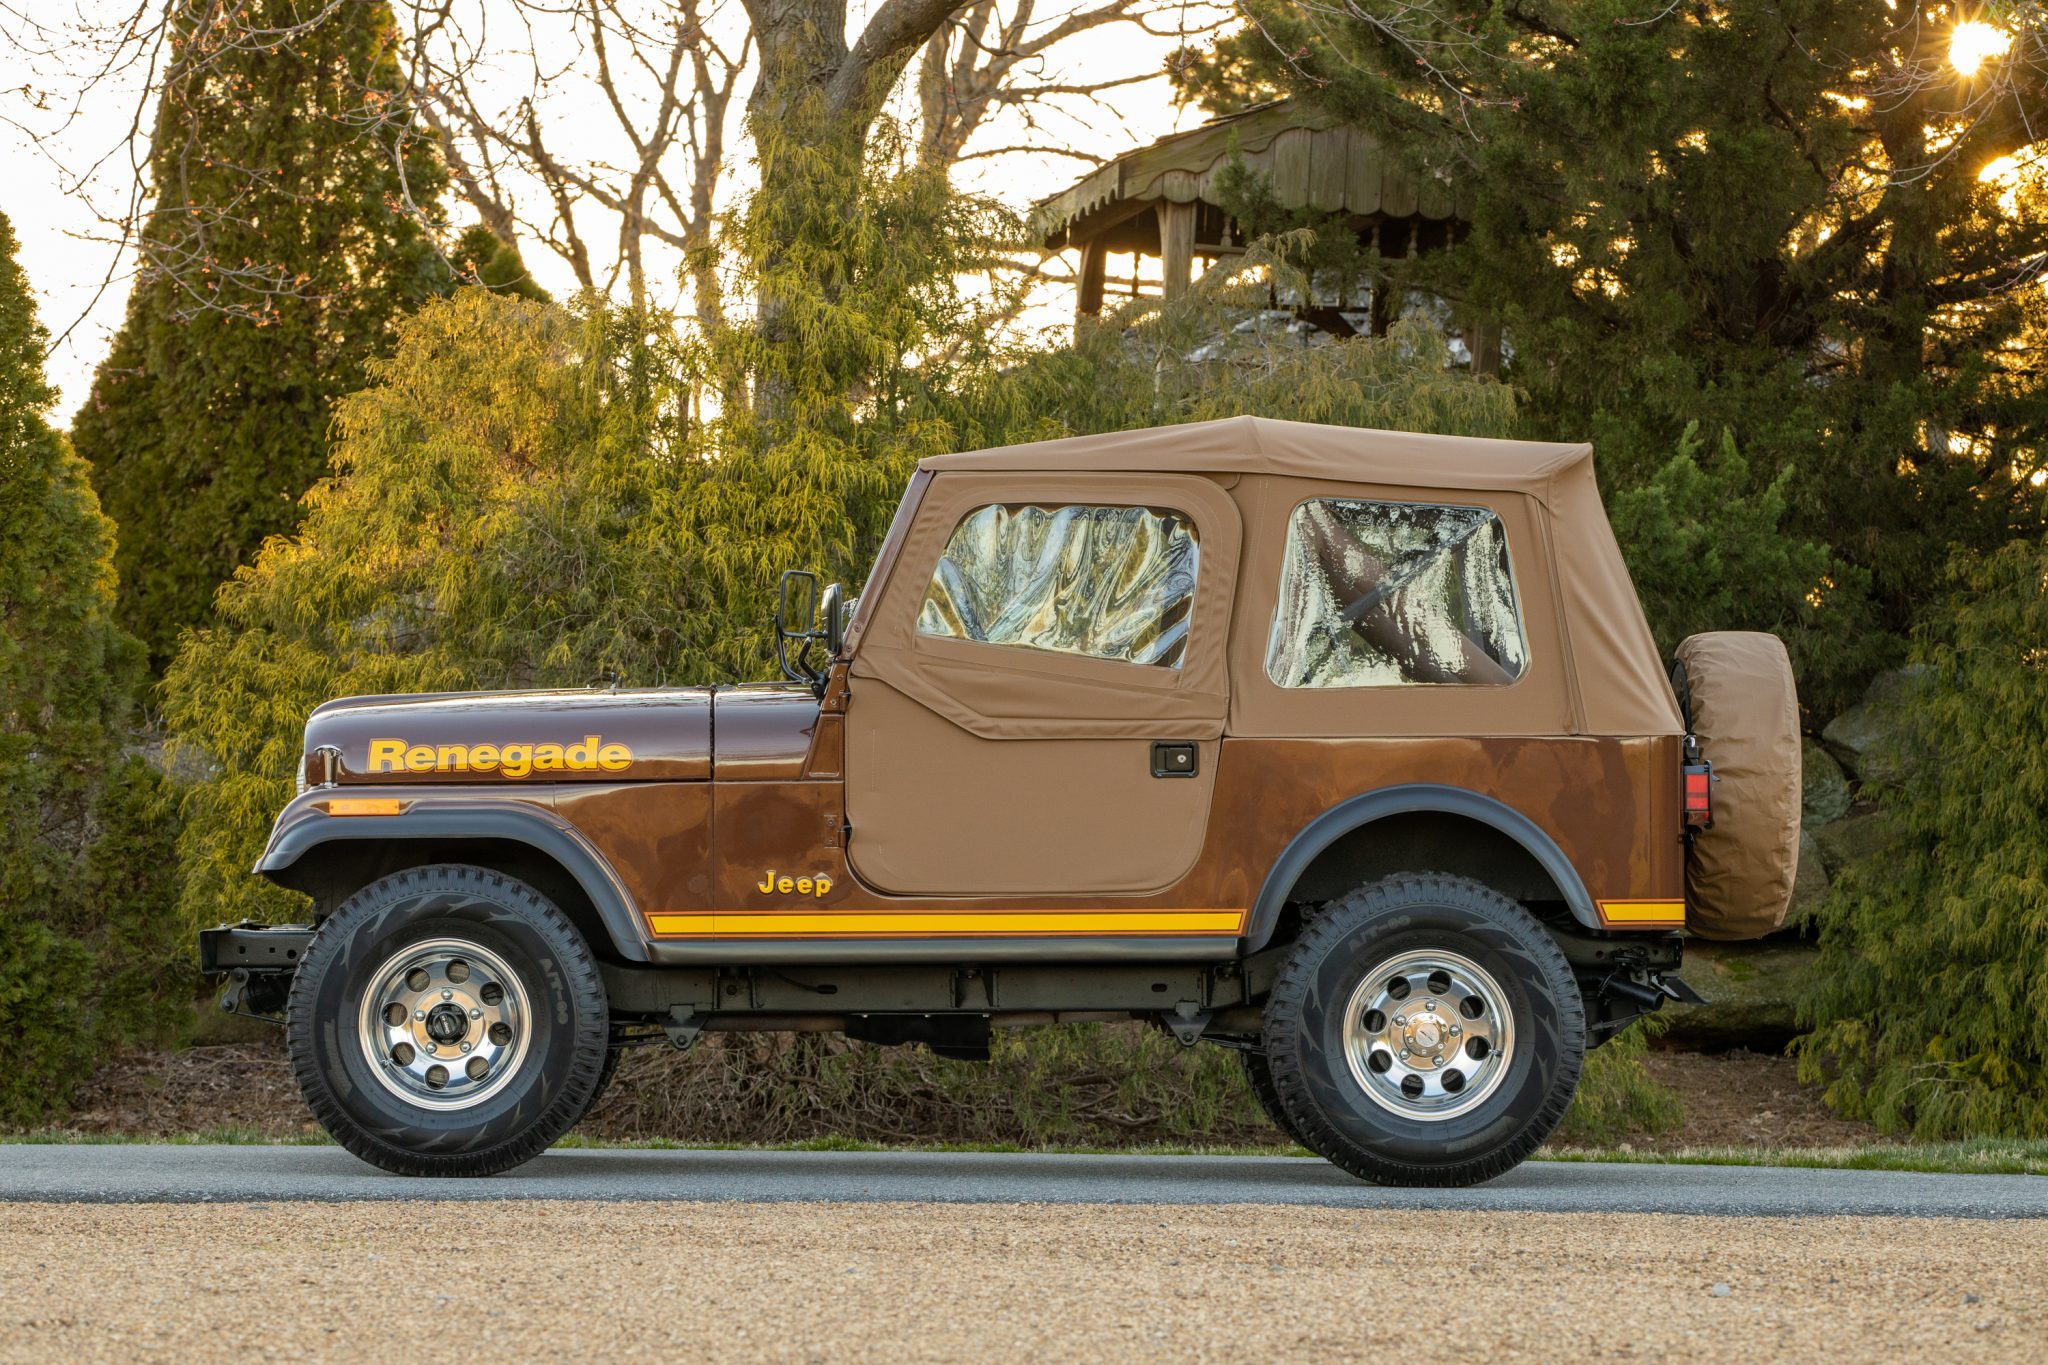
64 165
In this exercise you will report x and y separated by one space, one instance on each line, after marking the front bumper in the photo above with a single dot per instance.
259 960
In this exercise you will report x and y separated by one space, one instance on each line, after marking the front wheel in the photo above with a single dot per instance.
447 1020
1425 1031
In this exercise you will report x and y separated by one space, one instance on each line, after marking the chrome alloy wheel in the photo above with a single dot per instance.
444 1024
1428 1035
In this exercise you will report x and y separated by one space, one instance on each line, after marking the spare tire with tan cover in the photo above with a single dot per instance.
1741 704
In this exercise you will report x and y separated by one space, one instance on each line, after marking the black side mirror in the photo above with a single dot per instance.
833 608
798 610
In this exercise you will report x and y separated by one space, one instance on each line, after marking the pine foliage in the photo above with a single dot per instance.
1708 548
1931 1004
1765 218
290 231
486 525
85 952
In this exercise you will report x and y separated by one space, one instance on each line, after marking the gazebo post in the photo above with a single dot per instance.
1093 262
1177 246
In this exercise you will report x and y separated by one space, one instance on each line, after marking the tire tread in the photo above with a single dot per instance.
1284 1024
581 980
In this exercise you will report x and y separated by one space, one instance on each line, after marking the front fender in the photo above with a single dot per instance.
1341 819
450 816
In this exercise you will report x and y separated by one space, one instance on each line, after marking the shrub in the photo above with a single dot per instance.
1930 1009
1617 1097
85 952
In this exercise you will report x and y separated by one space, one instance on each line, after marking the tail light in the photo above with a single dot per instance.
1699 795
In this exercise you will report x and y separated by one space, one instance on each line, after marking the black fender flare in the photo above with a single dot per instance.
1359 811
475 820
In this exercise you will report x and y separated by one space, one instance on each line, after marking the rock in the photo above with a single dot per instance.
1722 1291
1866 739
1811 882
1823 792
1862 835
1751 992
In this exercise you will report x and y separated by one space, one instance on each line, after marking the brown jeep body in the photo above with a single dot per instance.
944 829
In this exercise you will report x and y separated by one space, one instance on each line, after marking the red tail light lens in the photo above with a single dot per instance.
1699 794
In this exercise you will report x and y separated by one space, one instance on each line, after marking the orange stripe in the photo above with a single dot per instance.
942 923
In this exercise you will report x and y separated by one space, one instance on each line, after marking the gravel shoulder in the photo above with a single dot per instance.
635 1281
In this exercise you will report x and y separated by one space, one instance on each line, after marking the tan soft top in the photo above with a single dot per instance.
1612 683
1303 450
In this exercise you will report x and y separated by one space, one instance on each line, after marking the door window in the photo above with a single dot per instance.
1104 582
1379 594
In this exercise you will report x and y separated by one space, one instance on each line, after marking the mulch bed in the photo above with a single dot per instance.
1738 1099
1747 1099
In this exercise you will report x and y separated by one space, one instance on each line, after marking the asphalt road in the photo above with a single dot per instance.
137 1173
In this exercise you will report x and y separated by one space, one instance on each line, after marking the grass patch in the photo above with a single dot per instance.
1976 1156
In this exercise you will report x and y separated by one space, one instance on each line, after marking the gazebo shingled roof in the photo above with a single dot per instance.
1313 161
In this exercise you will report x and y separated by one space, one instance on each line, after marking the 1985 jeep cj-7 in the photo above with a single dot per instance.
1349 750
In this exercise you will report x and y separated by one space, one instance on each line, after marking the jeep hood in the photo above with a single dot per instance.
549 736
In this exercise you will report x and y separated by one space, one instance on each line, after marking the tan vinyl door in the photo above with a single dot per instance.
1037 705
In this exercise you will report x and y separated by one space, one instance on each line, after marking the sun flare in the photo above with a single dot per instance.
1973 43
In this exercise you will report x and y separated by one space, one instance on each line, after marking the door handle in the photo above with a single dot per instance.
1175 758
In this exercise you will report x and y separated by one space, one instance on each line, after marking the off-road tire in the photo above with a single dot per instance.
1325 1102
1258 1074
550 1088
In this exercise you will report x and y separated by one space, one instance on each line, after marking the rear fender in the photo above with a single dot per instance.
1361 811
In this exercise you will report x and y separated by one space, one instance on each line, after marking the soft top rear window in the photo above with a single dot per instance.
1388 594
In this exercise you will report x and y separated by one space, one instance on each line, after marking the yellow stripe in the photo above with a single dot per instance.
946 924
1643 914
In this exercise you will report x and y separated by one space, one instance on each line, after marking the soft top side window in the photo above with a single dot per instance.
1105 582
1384 594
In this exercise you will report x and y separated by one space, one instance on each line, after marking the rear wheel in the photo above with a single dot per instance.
447 1020
1425 1031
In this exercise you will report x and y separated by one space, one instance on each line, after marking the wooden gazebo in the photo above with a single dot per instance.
1161 201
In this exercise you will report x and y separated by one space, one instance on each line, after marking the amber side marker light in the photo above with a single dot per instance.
365 805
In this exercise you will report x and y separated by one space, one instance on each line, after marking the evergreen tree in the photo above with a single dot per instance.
84 831
483 258
517 499
1766 218
291 229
